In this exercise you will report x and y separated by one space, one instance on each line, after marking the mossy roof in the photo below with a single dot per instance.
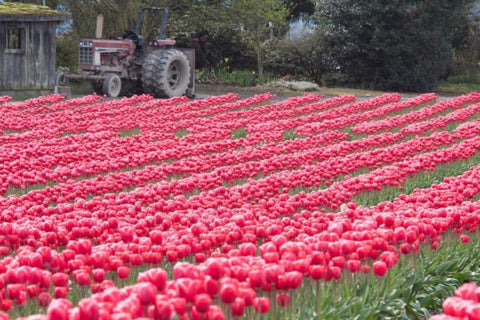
17 8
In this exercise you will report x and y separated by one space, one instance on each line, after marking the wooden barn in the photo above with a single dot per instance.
27 48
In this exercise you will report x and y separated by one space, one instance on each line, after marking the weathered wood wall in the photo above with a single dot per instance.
34 67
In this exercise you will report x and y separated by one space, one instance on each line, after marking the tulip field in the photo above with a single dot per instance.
240 208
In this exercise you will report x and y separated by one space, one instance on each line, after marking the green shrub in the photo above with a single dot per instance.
242 78
333 79
392 45
300 59
66 53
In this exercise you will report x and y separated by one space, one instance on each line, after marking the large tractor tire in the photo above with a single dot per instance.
165 73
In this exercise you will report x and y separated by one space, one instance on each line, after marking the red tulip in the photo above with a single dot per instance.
334 272
146 292
58 309
156 237
123 272
338 261
202 302
215 313
468 291
33 290
156 276
317 272
294 279
261 305
179 305
200 257
379 268
44 299
172 256
88 309
6 304
365 269
256 278
98 275
14 290
214 269
353 265
228 293
238 307
464 238
247 249
82 278
195 314
211 286
60 292
390 258
283 299
405 248
60 279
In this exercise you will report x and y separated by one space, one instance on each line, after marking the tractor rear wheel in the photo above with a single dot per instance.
112 85
165 73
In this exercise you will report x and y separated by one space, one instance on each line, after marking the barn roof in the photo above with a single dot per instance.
15 11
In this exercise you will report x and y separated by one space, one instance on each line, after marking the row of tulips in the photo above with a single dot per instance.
351 119
330 113
85 119
31 103
280 109
443 121
45 107
118 115
4 99
422 114
465 304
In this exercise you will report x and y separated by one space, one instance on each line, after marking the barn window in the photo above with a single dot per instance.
15 39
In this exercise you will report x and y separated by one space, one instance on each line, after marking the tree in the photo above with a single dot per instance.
234 28
299 8
392 45
257 20
118 16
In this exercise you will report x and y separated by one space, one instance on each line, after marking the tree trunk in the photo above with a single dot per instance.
259 57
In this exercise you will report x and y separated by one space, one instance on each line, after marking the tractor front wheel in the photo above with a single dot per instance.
165 73
112 85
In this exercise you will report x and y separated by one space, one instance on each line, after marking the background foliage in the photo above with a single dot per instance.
392 45
388 45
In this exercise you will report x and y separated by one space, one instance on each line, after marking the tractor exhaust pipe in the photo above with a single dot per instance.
99 27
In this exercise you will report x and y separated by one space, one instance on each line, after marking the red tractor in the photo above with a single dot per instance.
130 64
